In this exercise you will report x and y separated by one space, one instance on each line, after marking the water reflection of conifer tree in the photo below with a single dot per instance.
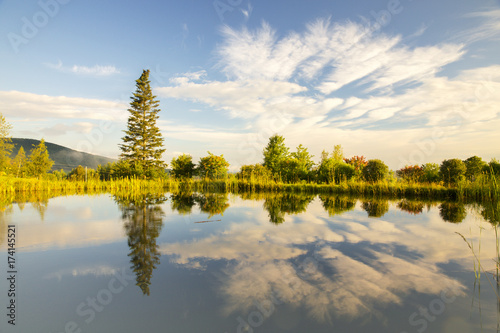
278 205
41 206
376 208
143 219
337 205
453 212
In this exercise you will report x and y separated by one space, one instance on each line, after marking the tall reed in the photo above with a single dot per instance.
485 188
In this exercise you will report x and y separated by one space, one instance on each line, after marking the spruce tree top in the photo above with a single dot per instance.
143 143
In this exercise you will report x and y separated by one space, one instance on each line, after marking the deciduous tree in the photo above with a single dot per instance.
375 170
183 166
254 172
411 173
359 163
275 153
452 171
213 166
431 172
474 166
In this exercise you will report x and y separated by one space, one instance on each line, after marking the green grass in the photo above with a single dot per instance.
483 189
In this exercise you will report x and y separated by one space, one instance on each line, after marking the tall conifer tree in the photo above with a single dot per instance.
143 143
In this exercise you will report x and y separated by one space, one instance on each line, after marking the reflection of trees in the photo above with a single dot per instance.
412 207
182 202
337 205
253 195
376 208
452 212
143 219
39 200
491 211
5 212
278 205
212 203
41 206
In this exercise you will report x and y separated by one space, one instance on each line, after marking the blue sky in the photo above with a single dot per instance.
405 81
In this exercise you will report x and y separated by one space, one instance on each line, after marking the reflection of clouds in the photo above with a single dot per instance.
98 271
66 234
310 261
352 288
70 222
245 241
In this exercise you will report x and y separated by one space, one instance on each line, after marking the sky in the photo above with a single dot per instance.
407 82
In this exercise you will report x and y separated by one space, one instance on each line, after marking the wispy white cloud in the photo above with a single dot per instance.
420 31
247 12
335 54
488 28
96 70
242 98
298 80
17 104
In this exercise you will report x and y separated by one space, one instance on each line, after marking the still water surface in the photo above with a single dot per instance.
250 263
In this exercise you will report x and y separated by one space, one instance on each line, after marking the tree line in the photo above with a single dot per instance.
279 164
36 164
142 148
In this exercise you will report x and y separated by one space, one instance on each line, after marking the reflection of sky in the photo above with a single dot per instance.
346 266
75 221
96 271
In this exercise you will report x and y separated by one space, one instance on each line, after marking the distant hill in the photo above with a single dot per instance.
63 157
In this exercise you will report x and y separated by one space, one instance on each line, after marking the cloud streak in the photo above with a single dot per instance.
17 104
96 70
344 81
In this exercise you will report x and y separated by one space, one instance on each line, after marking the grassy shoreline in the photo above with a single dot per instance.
487 190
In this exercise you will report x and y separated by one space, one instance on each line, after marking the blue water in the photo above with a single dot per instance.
227 263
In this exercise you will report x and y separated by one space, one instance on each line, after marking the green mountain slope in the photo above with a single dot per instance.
63 157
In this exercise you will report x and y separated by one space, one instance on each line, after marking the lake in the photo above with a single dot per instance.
249 263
